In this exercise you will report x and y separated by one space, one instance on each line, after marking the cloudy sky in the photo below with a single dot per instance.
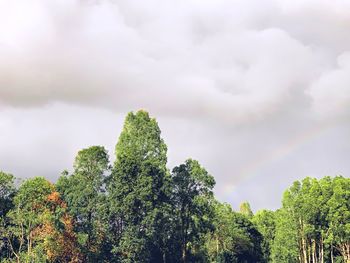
257 91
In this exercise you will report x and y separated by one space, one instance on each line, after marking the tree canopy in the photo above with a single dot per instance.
138 210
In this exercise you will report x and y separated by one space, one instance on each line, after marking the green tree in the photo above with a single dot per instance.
220 241
313 222
235 238
266 225
285 244
192 197
7 191
245 209
139 190
339 218
248 240
84 193
25 218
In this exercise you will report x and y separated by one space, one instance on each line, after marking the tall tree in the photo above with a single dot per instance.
192 197
7 191
312 214
339 217
266 224
245 209
138 190
39 229
83 191
220 241
30 202
234 239
285 246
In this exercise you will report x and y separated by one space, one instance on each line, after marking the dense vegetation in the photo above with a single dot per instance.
136 210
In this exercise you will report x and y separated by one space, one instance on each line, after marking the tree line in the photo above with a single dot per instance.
137 210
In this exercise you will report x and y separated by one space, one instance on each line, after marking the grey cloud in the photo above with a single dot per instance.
231 82
211 58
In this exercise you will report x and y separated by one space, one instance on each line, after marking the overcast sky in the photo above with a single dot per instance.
257 91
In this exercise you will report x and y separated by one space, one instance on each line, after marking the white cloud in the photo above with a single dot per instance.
230 80
331 93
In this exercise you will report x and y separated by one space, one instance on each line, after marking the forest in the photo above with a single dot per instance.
136 209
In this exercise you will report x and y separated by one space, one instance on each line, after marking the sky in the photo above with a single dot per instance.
257 91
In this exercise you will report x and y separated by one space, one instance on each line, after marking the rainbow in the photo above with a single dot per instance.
252 168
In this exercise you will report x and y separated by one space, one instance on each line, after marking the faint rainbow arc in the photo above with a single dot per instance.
250 170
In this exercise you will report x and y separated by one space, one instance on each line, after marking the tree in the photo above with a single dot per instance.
139 190
314 221
265 222
83 191
245 209
55 235
220 241
339 217
285 246
30 202
247 245
192 196
38 225
7 191
234 239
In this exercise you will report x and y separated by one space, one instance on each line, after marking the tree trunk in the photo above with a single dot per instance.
332 260
321 251
346 254
183 254
217 245
303 242
300 245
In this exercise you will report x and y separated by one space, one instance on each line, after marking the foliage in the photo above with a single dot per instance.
139 211
235 238
191 197
313 224
83 191
7 191
265 222
39 228
139 190
245 209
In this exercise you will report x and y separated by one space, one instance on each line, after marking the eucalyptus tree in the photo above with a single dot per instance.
314 220
7 191
285 245
192 198
265 221
245 209
84 193
139 191
29 203
235 239
339 218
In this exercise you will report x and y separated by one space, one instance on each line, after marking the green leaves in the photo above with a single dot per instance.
32 223
138 188
234 239
316 215
245 209
84 193
192 200
137 211
265 222
7 190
